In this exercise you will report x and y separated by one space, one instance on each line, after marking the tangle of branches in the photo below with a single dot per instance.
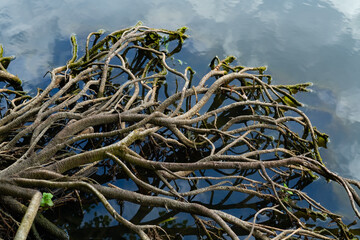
223 155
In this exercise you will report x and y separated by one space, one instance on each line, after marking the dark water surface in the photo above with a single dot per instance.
299 41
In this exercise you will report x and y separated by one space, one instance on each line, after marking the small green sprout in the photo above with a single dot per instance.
46 200
168 220
289 192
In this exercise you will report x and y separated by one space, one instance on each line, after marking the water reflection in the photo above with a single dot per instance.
350 10
300 41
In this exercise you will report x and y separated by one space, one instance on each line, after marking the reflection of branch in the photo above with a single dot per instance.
257 213
137 198
92 189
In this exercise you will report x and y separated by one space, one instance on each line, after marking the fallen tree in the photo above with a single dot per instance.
229 151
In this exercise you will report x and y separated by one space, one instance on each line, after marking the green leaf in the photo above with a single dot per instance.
289 192
168 220
46 200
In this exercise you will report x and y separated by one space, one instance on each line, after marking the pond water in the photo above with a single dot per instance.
299 41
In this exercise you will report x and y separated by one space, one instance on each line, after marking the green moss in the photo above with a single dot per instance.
229 59
74 49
